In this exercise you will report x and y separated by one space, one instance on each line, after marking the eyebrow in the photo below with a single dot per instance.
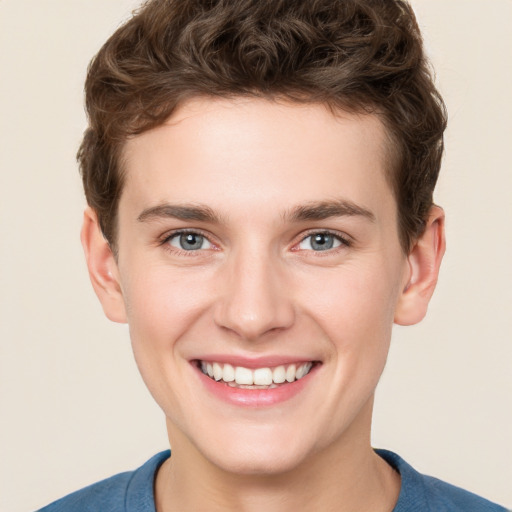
322 210
318 210
198 213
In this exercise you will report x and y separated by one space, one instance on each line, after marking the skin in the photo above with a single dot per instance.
256 287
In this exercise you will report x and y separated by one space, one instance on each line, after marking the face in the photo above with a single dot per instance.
258 243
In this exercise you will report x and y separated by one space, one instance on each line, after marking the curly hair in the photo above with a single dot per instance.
353 55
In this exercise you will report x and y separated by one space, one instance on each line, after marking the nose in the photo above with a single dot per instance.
254 299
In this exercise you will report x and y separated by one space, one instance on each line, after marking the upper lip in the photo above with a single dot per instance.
253 362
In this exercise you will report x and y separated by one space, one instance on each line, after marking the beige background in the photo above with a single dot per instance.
73 408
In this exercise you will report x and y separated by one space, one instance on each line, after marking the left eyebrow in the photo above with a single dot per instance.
184 212
322 210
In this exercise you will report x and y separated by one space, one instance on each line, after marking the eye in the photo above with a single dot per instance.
321 242
189 241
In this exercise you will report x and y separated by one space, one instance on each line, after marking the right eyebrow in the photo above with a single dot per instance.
185 212
322 210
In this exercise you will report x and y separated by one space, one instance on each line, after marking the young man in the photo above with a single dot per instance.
259 178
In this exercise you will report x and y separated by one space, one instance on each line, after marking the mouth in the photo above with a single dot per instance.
241 377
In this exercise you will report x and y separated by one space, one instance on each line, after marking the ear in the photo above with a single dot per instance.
424 261
102 266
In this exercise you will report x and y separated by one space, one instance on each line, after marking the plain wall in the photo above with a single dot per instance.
73 407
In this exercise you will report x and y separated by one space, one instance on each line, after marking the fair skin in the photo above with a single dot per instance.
291 256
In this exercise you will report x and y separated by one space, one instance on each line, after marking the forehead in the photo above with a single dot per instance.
257 155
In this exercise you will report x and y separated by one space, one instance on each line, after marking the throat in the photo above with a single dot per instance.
207 487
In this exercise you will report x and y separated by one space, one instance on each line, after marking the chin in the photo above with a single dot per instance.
257 462
270 454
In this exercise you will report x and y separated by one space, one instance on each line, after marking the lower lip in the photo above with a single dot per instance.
255 397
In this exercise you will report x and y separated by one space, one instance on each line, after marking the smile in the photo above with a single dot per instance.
257 378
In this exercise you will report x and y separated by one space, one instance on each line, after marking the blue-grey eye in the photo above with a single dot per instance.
320 242
190 242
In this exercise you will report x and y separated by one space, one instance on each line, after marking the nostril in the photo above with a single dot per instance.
255 323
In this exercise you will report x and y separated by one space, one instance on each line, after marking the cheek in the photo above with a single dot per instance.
356 300
164 301
162 306
355 312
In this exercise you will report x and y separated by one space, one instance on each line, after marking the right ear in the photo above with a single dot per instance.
103 269
424 262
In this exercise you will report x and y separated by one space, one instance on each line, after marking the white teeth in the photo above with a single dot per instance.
228 374
303 370
290 373
279 374
217 371
263 376
243 376
259 378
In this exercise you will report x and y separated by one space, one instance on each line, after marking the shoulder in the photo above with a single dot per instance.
108 493
132 490
427 494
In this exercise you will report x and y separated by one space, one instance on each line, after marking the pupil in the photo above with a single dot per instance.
191 241
322 242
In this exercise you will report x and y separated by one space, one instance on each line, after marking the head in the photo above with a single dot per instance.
260 179
350 55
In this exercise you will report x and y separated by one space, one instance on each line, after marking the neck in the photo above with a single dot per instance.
345 476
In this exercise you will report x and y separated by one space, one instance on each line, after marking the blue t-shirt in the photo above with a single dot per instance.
133 492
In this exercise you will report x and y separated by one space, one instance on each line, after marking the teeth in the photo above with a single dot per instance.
303 370
217 371
258 378
243 376
290 373
228 374
243 386
279 374
300 372
263 377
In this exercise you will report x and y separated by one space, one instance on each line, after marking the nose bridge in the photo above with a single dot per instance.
254 299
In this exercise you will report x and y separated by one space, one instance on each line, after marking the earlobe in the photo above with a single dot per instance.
424 261
102 266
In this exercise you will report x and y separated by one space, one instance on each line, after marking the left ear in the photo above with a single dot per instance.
102 267
424 261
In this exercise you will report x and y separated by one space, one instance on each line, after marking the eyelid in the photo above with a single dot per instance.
168 235
346 241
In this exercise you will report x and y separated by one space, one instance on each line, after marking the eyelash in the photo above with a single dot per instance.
345 242
181 252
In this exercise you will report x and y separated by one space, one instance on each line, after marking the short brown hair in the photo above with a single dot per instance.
355 55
